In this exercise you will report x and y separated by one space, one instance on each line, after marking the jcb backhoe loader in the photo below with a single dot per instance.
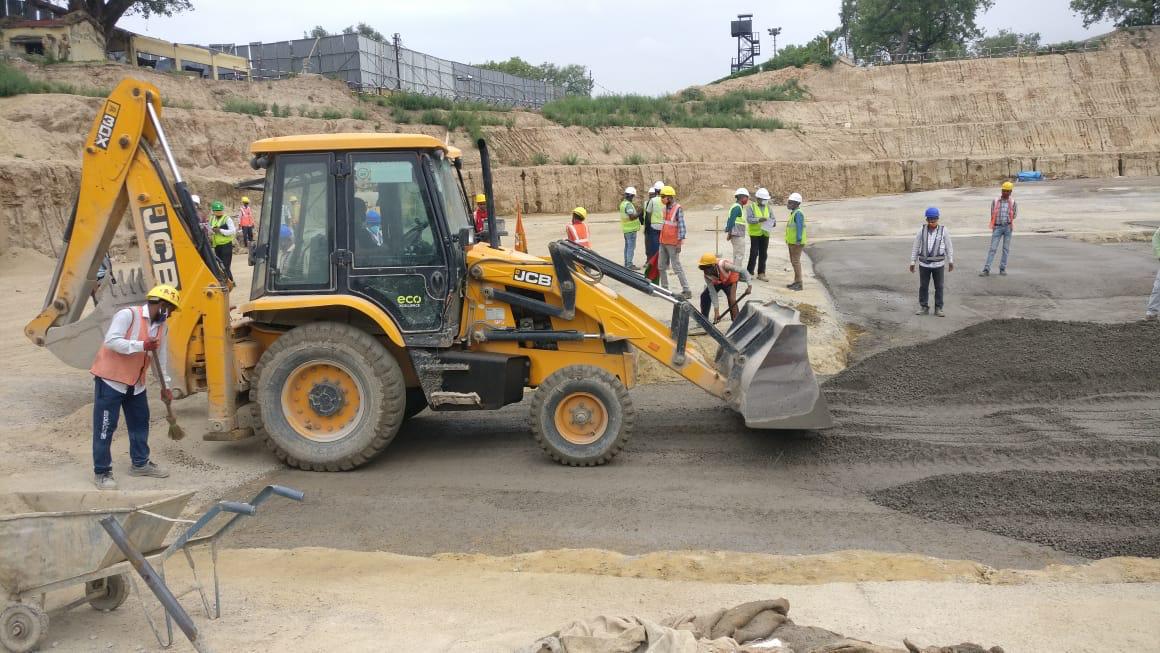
370 302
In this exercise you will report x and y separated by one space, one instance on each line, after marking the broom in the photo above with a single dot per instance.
175 430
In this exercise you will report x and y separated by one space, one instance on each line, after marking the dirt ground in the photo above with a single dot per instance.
964 523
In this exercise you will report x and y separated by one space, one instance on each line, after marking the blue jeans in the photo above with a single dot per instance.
999 233
107 406
629 247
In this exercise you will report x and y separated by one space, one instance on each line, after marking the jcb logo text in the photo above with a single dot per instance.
534 278
159 242
108 122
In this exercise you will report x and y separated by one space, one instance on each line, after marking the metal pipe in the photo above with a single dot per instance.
161 138
153 581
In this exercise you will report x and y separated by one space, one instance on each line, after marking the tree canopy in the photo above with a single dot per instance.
1006 39
1125 13
108 12
363 29
573 78
898 27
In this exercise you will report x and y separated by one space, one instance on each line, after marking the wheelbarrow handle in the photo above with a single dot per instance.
238 507
289 493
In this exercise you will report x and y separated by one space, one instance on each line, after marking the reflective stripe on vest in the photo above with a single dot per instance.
220 239
246 217
628 224
762 214
791 228
125 368
935 253
995 212
671 231
578 233
726 277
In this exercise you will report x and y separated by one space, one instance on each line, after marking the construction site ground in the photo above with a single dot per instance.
973 481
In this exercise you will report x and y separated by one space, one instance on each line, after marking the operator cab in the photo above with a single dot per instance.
382 217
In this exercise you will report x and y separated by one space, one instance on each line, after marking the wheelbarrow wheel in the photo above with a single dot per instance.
23 627
107 594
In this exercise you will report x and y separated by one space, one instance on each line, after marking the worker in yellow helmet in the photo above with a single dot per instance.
480 214
721 275
1003 214
136 334
672 237
577 231
246 222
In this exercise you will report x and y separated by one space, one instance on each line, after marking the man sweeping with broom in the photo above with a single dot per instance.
135 340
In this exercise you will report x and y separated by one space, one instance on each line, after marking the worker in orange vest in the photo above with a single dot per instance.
246 222
672 236
480 214
136 335
721 275
577 232
1003 214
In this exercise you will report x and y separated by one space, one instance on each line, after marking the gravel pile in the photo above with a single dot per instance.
1014 360
1090 514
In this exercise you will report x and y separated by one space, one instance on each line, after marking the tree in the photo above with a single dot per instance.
318 32
1006 39
108 12
1125 13
572 78
362 29
899 27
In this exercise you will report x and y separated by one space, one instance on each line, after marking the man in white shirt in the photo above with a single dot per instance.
119 371
932 250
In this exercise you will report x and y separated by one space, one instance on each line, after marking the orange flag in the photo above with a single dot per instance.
521 235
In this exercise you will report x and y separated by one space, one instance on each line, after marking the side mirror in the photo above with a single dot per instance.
465 237
259 253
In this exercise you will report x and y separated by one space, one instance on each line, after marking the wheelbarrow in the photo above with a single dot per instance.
53 540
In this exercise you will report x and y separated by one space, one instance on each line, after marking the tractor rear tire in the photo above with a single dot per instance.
330 397
582 416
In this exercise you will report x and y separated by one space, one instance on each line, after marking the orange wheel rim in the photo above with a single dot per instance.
581 418
322 401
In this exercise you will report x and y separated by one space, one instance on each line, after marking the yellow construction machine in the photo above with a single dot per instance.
371 302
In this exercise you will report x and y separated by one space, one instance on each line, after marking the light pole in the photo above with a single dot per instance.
773 32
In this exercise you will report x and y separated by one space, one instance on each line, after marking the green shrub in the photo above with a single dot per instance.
419 102
728 111
540 159
358 114
691 94
432 117
332 114
13 81
570 159
635 159
401 116
280 111
248 107
606 147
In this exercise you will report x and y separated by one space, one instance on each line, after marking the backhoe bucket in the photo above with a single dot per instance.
771 382
76 344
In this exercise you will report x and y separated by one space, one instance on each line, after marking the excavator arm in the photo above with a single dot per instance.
120 173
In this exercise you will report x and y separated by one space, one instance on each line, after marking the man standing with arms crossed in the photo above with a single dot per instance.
795 237
629 225
1003 214
672 237
757 218
119 371
735 230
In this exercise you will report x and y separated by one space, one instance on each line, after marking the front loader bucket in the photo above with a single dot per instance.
770 380
76 344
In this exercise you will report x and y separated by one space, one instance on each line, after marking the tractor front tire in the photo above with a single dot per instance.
330 397
582 416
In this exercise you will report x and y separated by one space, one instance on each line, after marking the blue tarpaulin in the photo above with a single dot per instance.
1029 175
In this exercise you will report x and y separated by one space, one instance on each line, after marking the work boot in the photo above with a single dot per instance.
923 310
1151 317
1002 273
762 277
985 273
148 469
630 266
686 294
797 285
938 312
105 481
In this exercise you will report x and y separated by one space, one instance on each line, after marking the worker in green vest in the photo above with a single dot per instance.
630 225
795 237
222 231
757 223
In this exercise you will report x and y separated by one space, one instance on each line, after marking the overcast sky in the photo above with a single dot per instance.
686 42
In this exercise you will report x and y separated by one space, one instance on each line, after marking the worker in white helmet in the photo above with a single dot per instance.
653 219
735 225
629 225
758 218
795 237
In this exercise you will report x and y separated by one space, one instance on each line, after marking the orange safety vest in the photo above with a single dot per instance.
578 233
126 368
724 277
1010 211
246 217
671 230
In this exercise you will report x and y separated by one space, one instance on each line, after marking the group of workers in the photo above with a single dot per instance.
222 229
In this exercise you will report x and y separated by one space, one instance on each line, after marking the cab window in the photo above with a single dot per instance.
392 223
302 241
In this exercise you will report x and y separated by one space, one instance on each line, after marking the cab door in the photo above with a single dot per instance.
397 247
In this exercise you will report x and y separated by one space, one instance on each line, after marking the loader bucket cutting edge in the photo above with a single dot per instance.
772 382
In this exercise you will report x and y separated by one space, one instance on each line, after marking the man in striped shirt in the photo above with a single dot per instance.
1003 214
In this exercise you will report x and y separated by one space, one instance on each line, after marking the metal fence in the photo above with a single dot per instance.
986 53
373 66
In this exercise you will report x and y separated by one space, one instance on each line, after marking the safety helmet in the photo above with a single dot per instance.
373 217
285 232
1007 186
217 207
794 197
932 213
480 197
668 191
741 192
580 212
293 198
245 200
763 194
166 293
631 190
196 199
708 258
658 186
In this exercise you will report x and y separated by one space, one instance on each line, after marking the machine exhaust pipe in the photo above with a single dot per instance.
485 162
